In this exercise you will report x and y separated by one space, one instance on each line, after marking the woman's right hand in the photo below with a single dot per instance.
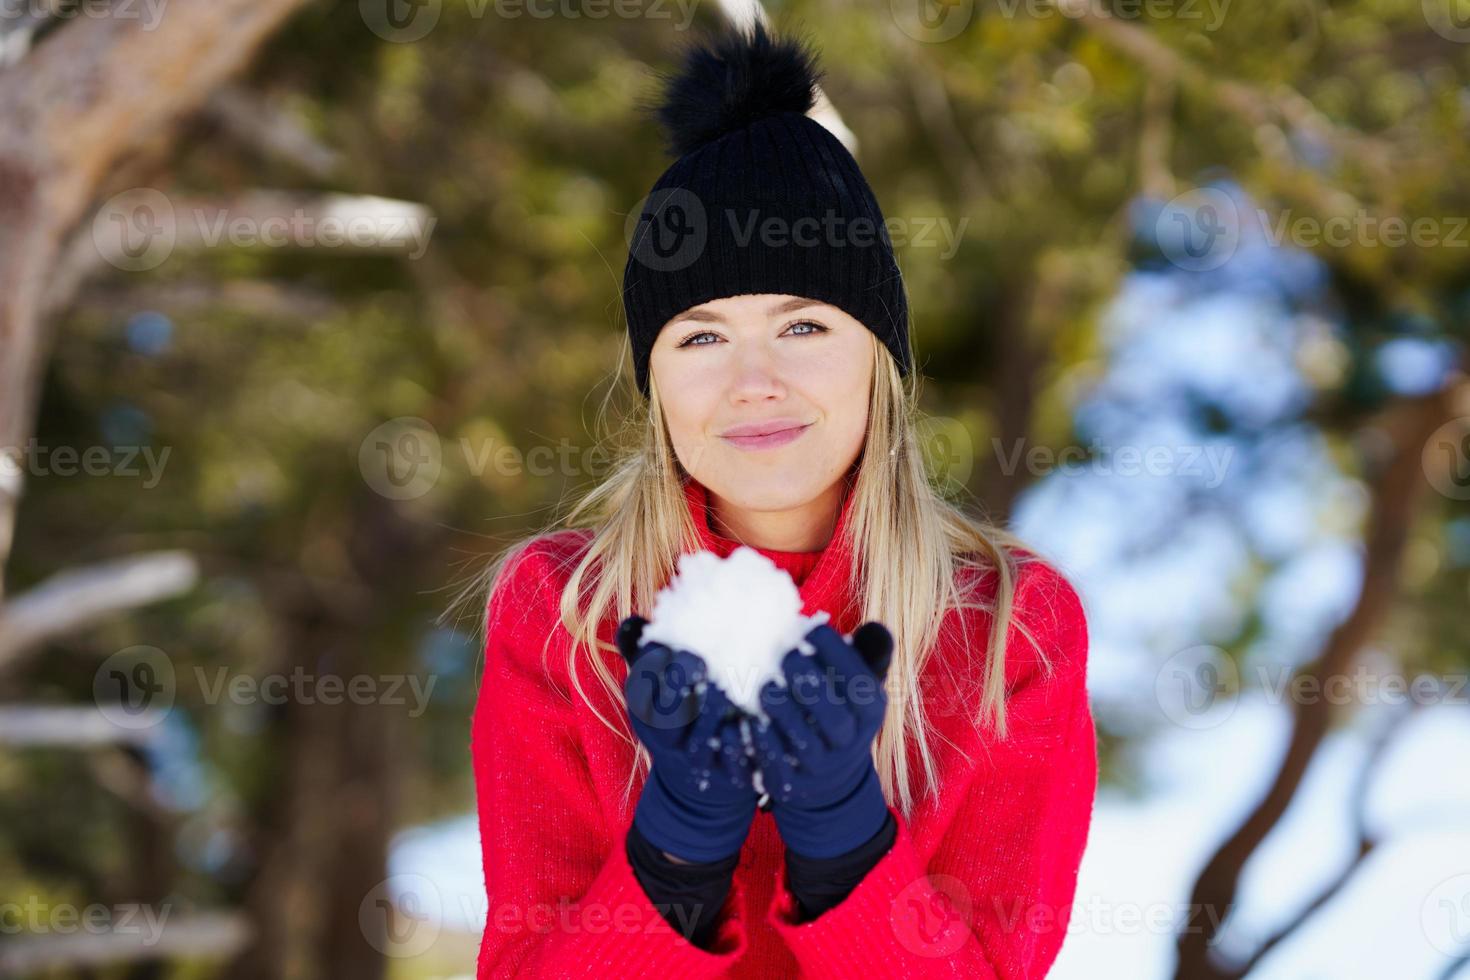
698 801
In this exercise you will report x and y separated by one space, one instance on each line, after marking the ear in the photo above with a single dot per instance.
875 644
629 632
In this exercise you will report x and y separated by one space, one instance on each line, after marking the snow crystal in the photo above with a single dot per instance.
741 614
755 773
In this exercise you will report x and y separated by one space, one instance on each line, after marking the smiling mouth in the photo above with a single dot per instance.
769 440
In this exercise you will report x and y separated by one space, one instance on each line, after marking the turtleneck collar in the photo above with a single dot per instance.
819 575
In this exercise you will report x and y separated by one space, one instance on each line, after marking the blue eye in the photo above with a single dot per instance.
689 341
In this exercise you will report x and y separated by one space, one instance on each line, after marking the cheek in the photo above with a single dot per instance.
852 430
680 421
844 414
843 386
687 415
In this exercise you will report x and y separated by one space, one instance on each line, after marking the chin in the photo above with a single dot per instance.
774 493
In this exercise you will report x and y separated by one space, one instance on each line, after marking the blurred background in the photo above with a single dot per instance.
308 307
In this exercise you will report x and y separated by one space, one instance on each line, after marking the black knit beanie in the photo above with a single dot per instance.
761 199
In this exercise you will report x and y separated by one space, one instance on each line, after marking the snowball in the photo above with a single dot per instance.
740 614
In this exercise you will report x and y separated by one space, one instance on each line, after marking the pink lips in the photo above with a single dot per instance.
765 435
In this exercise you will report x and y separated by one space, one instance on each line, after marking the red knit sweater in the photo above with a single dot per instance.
979 882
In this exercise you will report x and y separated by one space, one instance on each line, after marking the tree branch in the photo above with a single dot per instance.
1367 841
272 133
71 726
212 935
73 599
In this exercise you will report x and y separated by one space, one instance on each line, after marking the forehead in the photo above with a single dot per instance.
746 307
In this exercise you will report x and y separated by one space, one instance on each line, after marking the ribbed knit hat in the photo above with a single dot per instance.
761 198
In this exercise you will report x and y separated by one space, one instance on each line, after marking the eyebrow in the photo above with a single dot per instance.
709 316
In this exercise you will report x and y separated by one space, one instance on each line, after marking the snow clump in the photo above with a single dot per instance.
740 614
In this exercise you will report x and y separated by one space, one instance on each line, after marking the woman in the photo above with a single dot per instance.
929 778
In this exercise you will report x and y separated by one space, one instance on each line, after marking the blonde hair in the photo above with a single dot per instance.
916 556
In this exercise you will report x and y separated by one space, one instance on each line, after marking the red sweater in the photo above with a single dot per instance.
979 882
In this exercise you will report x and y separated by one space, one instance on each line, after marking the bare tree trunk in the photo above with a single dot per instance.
320 838
368 734
1018 357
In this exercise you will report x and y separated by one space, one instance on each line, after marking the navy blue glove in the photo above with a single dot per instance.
815 753
698 801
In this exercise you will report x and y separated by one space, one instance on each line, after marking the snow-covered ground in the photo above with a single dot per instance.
1402 914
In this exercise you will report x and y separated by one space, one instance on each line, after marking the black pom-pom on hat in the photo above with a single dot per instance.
731 82
761 198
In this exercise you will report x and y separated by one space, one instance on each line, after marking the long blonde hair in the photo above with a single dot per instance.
916 555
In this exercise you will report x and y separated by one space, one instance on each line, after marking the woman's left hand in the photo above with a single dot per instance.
815 753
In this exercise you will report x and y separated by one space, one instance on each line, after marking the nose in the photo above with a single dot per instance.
757 376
